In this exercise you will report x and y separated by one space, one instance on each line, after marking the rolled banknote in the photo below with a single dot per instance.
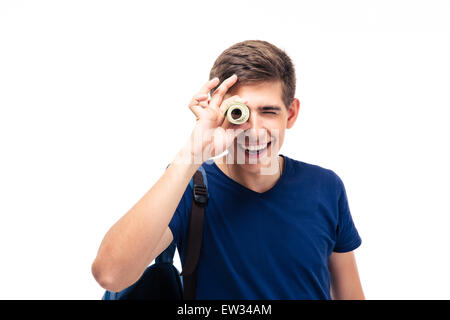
237 112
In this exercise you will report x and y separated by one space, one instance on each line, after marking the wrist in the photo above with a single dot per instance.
187 156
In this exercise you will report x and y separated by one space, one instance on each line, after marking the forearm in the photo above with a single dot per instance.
127 247
350 293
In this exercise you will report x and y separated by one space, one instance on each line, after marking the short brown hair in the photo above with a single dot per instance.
256 61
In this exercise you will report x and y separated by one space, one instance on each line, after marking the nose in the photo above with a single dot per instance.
256 133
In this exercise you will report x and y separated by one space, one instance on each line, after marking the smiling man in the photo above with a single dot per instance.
275 227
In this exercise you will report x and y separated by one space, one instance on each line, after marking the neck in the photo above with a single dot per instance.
258 180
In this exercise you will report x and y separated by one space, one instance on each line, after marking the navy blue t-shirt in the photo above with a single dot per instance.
270 245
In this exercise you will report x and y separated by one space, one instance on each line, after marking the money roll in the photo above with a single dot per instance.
237 112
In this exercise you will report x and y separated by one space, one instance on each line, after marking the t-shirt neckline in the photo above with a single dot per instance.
274 187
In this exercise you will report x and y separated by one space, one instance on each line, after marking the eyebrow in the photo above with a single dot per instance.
265 108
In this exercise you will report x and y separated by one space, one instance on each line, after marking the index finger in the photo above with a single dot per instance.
208 86
220 92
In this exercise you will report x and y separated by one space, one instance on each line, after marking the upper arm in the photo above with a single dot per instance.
345 282
163 243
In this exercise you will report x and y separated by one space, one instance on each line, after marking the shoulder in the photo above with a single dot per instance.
311 169
314 174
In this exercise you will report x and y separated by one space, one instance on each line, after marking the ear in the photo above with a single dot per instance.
293 113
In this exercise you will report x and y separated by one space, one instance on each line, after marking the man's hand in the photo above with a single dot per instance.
213 133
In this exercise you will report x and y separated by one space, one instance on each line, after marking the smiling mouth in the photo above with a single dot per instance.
255 150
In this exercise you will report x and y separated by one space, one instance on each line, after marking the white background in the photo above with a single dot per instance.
93 106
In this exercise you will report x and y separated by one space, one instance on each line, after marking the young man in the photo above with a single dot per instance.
274 228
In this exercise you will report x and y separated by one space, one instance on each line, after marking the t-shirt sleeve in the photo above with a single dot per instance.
180 218
347 236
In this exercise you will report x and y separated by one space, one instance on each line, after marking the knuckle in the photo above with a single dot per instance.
195 100
217 89
222 89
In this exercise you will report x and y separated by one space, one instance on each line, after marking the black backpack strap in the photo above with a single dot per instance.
194 235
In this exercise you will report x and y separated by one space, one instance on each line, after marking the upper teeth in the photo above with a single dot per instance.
255 148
